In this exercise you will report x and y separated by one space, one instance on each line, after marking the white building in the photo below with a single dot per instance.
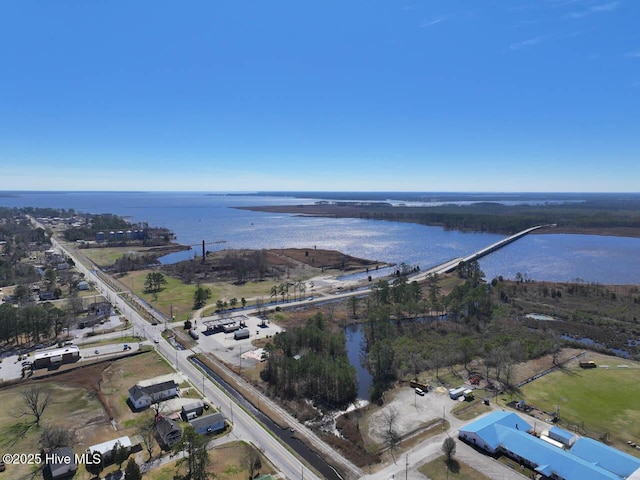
143 397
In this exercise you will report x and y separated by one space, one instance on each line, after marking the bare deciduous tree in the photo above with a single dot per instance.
147 433
391 435
36 401
54 436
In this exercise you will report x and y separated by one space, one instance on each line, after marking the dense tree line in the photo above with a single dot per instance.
400 345
311 362
17 239
238 266
35 323
129 263
588 211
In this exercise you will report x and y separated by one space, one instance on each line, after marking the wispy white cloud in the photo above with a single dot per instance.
600 8
433 21
526 43
542 38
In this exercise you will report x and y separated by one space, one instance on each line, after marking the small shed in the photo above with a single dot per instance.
192 410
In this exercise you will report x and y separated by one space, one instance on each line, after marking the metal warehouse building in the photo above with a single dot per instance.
509 434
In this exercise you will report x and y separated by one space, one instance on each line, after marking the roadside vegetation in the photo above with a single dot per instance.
310 362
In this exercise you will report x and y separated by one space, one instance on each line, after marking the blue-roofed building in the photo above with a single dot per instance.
484 432
619 462
562 436
507 433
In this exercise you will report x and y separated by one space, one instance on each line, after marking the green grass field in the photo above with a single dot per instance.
598 401
437 470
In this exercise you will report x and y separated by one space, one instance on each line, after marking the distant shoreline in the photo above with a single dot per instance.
373 212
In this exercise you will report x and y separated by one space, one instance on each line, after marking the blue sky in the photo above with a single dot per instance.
511 95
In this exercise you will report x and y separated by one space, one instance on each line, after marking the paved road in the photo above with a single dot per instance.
245 427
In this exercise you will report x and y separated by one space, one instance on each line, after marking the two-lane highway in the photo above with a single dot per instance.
245 427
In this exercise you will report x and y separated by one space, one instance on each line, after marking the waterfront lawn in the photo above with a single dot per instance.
107 256
598 401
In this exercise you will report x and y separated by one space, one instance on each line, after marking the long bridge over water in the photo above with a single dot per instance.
451 265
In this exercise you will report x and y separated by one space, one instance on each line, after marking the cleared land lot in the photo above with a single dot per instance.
598 401
228 462
84 401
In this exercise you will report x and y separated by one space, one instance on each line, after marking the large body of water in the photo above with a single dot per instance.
195 217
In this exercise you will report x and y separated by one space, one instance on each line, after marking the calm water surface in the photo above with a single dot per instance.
195 217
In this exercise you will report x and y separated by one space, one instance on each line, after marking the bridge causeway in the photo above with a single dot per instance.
451 265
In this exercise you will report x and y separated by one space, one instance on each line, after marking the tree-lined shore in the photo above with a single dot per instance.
599 216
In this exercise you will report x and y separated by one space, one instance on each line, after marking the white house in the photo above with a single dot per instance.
142 397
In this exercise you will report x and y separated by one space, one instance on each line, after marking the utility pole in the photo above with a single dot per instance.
406 466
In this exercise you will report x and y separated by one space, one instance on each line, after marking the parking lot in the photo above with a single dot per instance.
225 346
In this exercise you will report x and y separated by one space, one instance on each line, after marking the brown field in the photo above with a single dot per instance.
71 407
84 400
227 463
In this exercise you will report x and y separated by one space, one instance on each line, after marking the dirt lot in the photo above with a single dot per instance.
413 413
89 401
76 409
